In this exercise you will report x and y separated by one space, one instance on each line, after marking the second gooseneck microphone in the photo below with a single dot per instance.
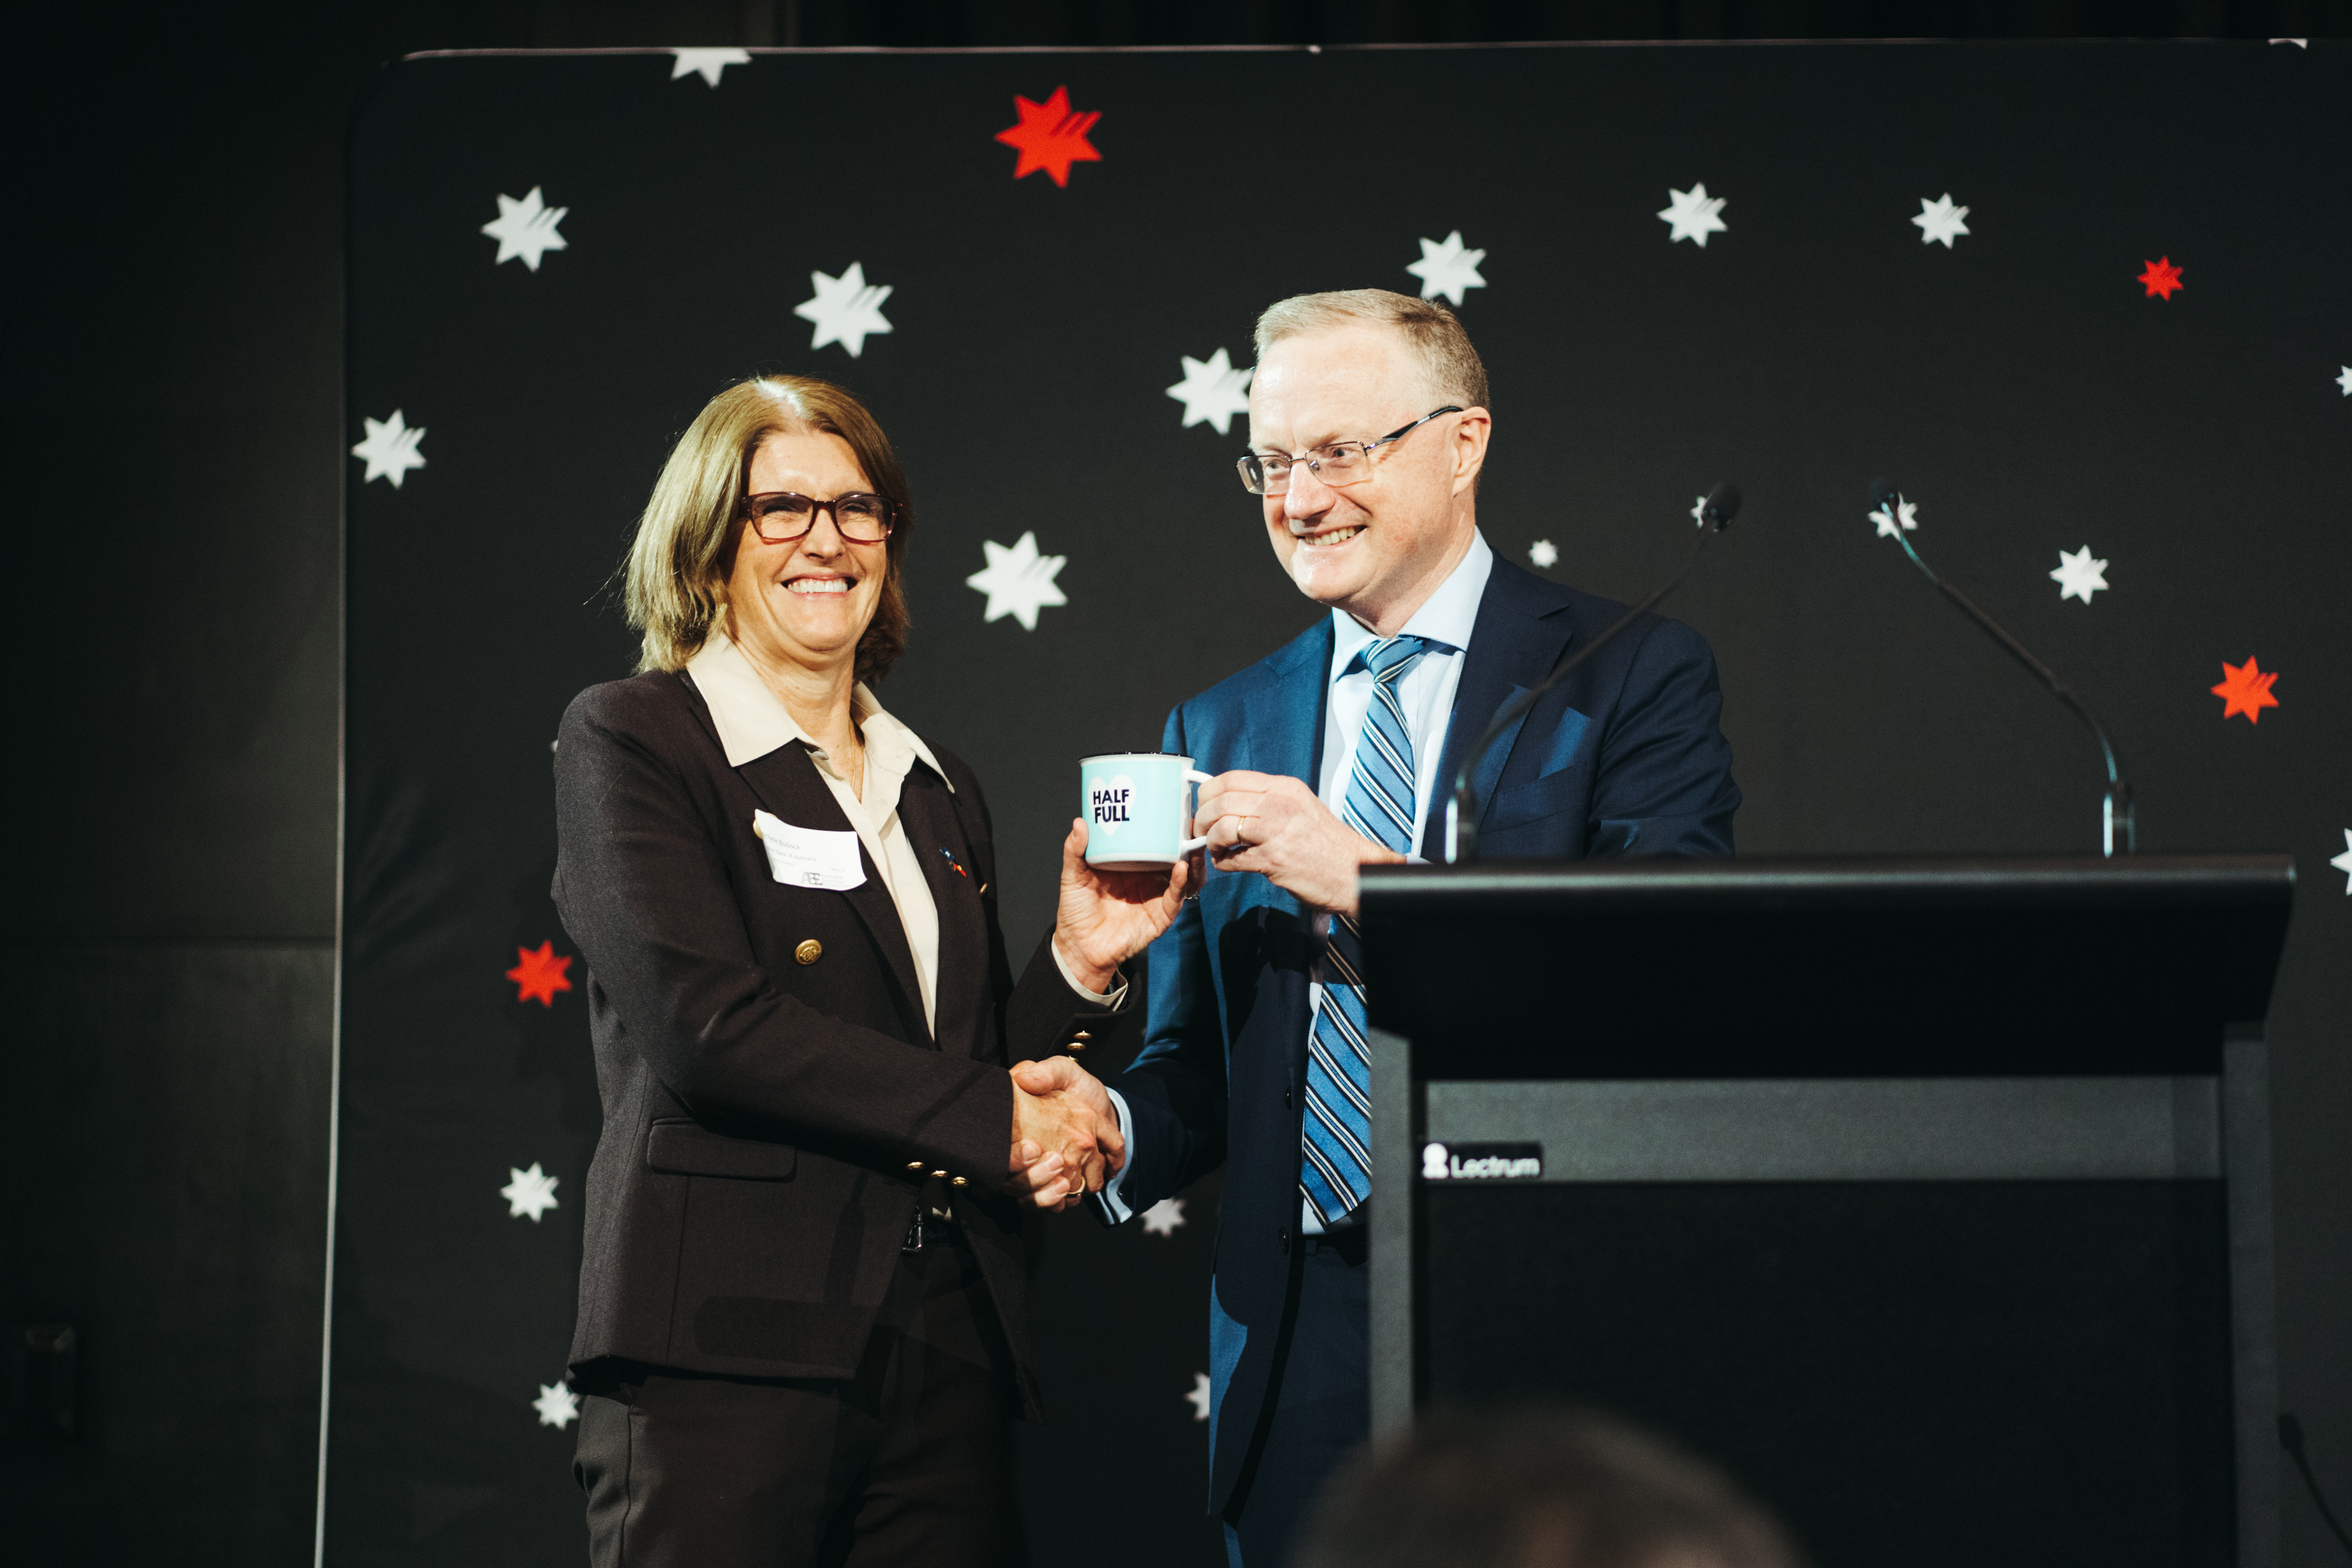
2119 832
1713 514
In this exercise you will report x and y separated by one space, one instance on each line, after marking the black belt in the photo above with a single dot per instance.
933 1213
1353 1243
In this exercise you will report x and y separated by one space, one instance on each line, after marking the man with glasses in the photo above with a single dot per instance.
1369 430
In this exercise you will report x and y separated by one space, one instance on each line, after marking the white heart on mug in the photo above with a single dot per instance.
1108 800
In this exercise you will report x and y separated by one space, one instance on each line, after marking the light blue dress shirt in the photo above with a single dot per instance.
1427 695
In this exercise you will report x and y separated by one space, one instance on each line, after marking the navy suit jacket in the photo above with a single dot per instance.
1625 759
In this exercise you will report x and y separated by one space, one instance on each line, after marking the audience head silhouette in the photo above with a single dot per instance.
1536 1490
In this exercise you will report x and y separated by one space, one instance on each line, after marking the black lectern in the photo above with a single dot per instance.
1930 1198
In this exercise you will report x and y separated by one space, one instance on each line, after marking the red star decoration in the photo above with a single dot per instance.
2245 689
2162 278
1051 136
538 974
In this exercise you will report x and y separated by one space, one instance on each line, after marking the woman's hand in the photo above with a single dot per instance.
1106 917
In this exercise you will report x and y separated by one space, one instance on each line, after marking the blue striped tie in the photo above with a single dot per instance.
1337 1172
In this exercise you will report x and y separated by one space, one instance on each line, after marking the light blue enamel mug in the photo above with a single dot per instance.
1134 806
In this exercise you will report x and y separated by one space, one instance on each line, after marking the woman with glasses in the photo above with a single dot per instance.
801 1328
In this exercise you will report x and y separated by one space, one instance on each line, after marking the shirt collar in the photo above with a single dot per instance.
1445 618
751 722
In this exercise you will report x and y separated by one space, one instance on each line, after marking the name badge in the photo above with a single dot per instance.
809 857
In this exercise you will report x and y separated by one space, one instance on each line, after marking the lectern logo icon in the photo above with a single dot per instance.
1481 1161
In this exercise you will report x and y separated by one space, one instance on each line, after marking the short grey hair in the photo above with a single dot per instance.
1435 334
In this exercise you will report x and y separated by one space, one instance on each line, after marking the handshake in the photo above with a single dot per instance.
1066 1141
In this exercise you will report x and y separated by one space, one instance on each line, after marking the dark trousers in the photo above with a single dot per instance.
1318 1410
909 1464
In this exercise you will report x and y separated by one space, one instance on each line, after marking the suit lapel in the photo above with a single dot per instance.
928 817
1279 731
1521 633
1285 727
786 782
1285 731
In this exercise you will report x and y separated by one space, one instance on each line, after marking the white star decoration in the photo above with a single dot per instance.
2344 381
1162 1218
1200 1397
710 63
1940 221
389 448
532 1192
2078 576
1212 392
526 229
1906 512
557 1405
1699 511
2343 863
1447 268
844 309
1693 214
1543 552
1019 582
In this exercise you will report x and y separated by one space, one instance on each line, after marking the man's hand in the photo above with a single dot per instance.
1066 1139
1263 822
1106 918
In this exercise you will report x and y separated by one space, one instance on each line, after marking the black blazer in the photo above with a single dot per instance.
767 1120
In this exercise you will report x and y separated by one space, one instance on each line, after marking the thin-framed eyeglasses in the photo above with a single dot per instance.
1335 462
782 516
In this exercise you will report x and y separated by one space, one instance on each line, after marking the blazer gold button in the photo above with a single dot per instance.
810 951
958 1181
914 1165
1076 1046
936 1174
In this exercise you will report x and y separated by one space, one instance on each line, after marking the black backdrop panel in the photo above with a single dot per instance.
2025 391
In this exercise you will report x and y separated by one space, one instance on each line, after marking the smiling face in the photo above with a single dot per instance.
1378 548
808 601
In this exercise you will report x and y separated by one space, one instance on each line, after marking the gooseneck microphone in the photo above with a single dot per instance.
2290 1432
2117 830
1713 515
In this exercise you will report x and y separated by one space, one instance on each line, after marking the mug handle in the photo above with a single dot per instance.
1193 777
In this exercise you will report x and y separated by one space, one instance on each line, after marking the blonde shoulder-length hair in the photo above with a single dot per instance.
676 587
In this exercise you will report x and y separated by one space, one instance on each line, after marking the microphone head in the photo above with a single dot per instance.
1882 494
1722 505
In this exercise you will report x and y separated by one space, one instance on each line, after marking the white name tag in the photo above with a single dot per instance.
809 857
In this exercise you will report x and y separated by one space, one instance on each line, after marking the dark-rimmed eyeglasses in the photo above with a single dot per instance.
1334 461
781 515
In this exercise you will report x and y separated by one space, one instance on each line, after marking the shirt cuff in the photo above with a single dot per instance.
1116 998
1114 1198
